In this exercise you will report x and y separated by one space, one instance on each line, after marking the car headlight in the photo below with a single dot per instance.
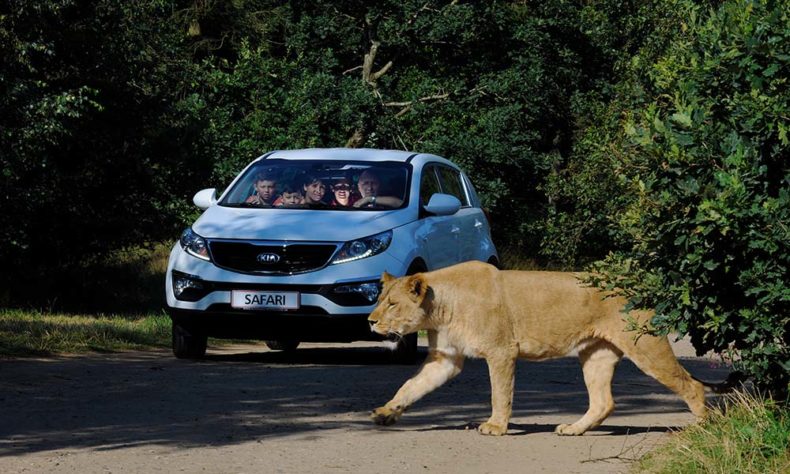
363 248
194 244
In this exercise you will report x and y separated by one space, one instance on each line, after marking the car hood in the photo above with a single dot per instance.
219 222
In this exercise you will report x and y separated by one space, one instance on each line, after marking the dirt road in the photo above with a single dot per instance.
248 410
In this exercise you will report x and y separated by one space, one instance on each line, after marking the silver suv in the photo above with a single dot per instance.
293 249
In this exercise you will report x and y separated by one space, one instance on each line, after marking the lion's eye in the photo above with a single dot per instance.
392 304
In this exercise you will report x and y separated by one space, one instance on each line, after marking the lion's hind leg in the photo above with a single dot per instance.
653 355
598 360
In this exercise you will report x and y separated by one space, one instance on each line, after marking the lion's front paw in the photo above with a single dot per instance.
488 428
385 416
568 430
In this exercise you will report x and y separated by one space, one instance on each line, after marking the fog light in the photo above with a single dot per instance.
369 290
187 287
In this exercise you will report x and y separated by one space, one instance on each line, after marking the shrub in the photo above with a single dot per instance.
707 161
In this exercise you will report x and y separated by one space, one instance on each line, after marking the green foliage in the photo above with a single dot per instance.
586 191
90 133
706 160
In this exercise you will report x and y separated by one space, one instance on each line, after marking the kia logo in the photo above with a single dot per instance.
267 258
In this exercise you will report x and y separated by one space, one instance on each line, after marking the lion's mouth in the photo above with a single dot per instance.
375 328
388 333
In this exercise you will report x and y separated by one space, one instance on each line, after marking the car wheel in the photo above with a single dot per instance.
188 342
406 350
282 345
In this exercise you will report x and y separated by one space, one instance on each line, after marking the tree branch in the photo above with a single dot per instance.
374 77
421 99
407 105
351 70
368 75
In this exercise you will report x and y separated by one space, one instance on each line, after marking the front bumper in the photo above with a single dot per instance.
323 315
308 324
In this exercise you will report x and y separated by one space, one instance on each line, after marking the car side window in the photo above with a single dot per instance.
470 189
451 184
429 184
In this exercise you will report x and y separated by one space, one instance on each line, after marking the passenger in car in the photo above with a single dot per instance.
343 192
292 196
369 185
314 190
265 185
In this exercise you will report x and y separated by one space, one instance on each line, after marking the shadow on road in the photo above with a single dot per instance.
329 355
516 429
111 401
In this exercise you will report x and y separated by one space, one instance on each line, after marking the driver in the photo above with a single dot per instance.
368 186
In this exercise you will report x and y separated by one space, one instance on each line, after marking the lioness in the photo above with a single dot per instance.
472 309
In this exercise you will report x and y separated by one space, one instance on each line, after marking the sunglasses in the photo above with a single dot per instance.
341 187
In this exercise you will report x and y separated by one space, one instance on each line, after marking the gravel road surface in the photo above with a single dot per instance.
245 409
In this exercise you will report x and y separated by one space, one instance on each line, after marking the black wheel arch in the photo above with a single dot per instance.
416 266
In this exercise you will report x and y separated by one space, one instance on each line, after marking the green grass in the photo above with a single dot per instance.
25 333
747 435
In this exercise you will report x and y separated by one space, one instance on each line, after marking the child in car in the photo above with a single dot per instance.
265 185
292 196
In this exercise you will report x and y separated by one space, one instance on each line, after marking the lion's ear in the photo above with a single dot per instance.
386 277
417 287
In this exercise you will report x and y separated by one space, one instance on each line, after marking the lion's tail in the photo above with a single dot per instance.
733 380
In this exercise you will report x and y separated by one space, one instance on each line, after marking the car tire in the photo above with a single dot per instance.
405 351
188 342
285 346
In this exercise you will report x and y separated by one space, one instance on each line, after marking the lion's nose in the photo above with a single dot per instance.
371 323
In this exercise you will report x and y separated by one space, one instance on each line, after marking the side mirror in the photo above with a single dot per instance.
443 205
205 198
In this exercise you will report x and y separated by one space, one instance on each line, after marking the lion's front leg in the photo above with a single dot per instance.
502 371
439 367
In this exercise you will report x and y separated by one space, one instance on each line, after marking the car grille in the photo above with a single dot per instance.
256 257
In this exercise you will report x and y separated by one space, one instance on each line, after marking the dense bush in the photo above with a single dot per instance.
706 162
90 135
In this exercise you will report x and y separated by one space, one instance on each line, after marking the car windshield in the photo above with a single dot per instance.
326 185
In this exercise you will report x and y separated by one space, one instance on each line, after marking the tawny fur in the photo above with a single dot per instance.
473 309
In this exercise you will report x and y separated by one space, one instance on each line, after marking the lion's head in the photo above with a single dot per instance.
400 308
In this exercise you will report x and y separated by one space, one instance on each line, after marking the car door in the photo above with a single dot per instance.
438 235
483 244
468 220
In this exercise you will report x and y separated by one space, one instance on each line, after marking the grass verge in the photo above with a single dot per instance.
24 333
748 434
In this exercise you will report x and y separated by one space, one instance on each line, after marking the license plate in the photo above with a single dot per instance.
264 299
